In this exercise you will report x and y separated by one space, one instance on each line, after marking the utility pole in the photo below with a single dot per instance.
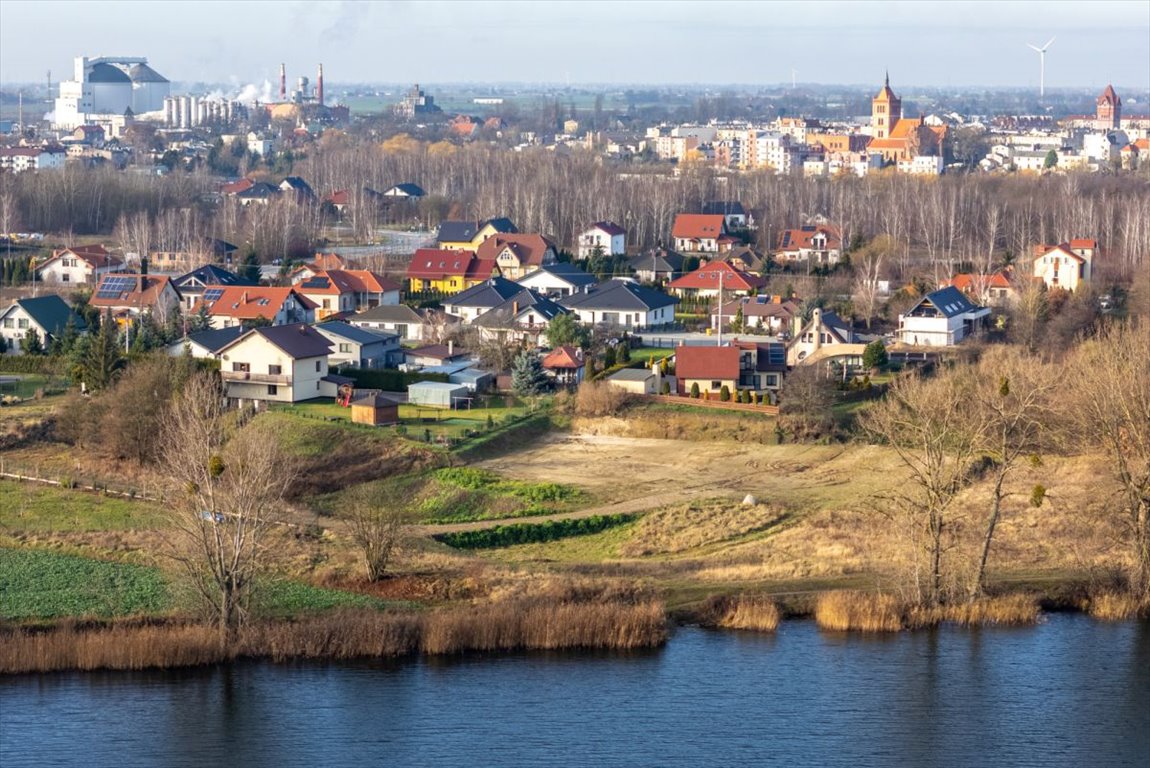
721 273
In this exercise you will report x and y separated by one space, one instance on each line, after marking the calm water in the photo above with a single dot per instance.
1070 692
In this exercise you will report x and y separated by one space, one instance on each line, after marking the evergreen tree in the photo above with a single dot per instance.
251 266
565 328
199 320
527 375
31 344
874 355
103 360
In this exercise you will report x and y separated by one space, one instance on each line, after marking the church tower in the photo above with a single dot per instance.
1109 114
885 111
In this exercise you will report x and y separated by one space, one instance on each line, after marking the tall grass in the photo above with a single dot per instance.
843 610
876 612
753 612
1116 606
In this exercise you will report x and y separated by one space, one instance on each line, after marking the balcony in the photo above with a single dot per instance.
255 378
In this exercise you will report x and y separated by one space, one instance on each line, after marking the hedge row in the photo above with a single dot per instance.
532 533
33 364
388 379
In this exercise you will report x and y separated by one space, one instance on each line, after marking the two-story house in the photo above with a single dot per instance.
657 265
46 316
523 317
360 347
192 285
479 298
605 237
131 295
331 292
516 255
739 365
815 245
825 336
78 265
558 280
238 305
941 319
469 235
1066 265
282 363
623 305
447 271
701 233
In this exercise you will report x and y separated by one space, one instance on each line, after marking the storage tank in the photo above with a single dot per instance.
149 89
111 89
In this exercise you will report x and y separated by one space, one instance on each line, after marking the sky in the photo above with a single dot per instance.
949 43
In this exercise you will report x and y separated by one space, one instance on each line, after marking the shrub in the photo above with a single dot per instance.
753 397
530 533
843 610
695 390
725 393
666 388
600 398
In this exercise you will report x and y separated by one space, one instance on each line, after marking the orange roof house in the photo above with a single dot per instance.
434 269
131 294
232 305
699 233
517 254
708 279
565 363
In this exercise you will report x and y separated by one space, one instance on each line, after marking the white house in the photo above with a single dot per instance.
622 304
48 316
605 235
470 304
204 345
237 304
823 337
558 280
399 319
359 347
20 159
1066 265
78 265
282 363
940 319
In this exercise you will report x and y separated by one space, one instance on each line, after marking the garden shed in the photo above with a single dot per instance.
438 394
375 410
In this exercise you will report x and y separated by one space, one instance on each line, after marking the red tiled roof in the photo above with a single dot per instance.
436 264
145 291
235 187
529 248
565 356
96 256
1084 242
798 239
339 197
706 277
366 281
965 281
698 226
1043 250
707 362
250 302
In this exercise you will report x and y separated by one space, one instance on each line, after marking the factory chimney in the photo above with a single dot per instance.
319 86
283 83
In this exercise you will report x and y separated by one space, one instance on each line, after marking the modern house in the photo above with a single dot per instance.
701 233
126 294
1066 265
605 237
751 366
47 316
623 305
192 285
360 347
732 211
400 319
714 278
447 271
941 319
815 245
282 363
468 235
237 305
78 265
558 280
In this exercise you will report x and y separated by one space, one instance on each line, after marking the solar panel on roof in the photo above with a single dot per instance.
213 294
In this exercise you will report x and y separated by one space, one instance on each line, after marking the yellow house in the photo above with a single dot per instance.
469 235
447 271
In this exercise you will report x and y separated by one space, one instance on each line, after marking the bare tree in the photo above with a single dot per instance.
926 421
868 267
377 515
227 482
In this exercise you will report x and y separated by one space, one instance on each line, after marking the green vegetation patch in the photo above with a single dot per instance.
527 533
37 507
463 494
290 598
41 584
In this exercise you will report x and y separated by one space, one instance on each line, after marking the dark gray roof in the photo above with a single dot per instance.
503 315
568 272
838 325
631 374
490 293
216 339
502 224
106 73
51 313
409 189
456 231
619 295
949 301
375 401
259 190
388 313
657 260
142 73
300 186
297 340
209 274
723 208
355 333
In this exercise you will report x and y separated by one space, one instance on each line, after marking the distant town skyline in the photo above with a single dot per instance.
943 44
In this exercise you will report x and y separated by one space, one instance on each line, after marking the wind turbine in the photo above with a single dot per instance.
1041 66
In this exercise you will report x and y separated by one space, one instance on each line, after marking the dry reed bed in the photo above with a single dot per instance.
753 612
1117 606
847 610
511 625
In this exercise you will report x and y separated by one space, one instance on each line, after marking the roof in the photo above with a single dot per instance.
408 189
706 362
375 401
965 281
1044 250
949 301
248 303
619 295
528 248
1083 243
95 256
564 356
709 276
769 355
609 227
748 255
437 264
722 208
209 274
121 289
326 282
436 351
631 374
657 260
388 313
50 313
215 339
801 238
298 341
761 306
235 187
258 191
354 333
106 73
442 386
569 273
697 226
142 73
297 184
1109 96
489 293
457 231
504 315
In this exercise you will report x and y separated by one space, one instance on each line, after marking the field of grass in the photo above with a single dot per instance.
38 507
594 548
416 420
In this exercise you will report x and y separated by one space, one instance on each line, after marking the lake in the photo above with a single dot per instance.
1068 692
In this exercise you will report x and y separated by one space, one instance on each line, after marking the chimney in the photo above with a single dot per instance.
319 86
515 308
244 298
283 83
450 347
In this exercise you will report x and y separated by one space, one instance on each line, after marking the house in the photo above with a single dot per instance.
20 159
447 271
48 316
207 250
359 347
762 365
258 193
84 264
321 262
994 289
637 381
298 188
622 304
205 344
434 354
331 292
437 394
752 366
371 289
825 336
658 266
281 363
765 314
468 235
941 319
731 210
126 294
239 304
517 254
399 319
192 284
701 233
746 259
342 198
565 364
375 410
1065 265
524 317
715 277
406 189
815 244
481 297
604 237
558 280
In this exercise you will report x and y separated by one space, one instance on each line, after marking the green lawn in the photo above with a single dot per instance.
646 354
37 507
442 422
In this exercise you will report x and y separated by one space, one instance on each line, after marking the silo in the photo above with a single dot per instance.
111 89
149 88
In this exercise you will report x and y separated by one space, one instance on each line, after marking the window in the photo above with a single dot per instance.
8 322
241 367
22 323
273 389
275 370
317 362
716 385
345 348
65 277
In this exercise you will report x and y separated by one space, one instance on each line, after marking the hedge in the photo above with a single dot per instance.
532 533
388 379
33 364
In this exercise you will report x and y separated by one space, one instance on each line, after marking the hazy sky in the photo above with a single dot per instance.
922 43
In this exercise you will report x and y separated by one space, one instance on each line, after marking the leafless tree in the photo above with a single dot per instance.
868 264
226 482
377 515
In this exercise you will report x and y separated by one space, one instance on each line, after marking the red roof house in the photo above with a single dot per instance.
708 279
699 233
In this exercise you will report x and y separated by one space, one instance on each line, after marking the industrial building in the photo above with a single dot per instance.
110 91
